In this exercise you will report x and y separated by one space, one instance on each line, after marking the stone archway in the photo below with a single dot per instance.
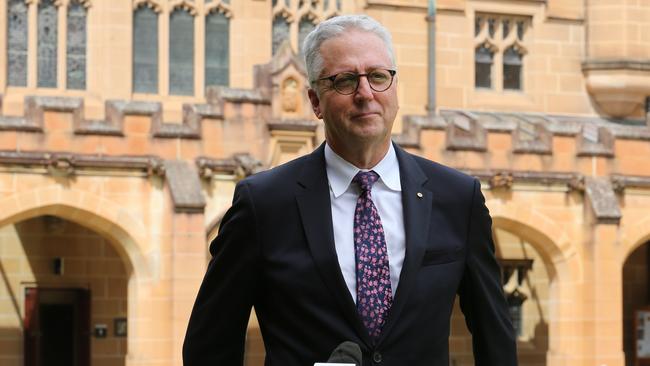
635 274
560 271
123 233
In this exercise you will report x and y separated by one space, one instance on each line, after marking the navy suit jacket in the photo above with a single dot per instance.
275 251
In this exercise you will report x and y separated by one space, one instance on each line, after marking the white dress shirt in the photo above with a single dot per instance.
387 197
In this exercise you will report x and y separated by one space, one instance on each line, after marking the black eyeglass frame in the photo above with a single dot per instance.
331 78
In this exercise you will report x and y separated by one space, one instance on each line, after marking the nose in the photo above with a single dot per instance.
364 92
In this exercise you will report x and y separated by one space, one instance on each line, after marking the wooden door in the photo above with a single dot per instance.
57 327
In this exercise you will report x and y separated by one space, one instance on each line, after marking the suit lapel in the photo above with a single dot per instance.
314 205
416 205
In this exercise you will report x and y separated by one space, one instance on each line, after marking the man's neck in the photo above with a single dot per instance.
362 156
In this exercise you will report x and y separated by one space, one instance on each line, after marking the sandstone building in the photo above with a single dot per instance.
125 124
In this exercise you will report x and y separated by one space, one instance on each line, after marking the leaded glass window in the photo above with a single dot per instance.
145 50
483 58
76 47
17 43
304 28
520 30
512 64
280 31
47 42
217 49
492 27
181 53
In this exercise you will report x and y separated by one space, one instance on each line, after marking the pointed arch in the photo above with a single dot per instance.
126 232
550 239
634 236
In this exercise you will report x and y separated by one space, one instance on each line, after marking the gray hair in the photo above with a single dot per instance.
335 27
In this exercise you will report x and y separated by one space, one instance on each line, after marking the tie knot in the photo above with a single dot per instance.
365 180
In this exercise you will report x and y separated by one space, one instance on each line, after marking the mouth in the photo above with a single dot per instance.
364 115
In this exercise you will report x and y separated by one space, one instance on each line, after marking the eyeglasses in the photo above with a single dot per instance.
347 83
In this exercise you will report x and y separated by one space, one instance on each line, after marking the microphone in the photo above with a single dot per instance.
345 354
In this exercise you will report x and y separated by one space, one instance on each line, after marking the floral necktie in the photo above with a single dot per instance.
374 294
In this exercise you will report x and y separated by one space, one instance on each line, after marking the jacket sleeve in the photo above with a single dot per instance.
481 294
217 328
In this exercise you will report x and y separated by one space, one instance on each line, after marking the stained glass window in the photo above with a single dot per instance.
76 47
483 58
47 42
217 49
280 31
145 50
304 28
17 43
512 64
181 53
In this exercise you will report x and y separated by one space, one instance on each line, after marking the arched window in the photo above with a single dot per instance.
512 64
145 50
280 31
181 53
483 59
304 27
17 43
76 47
47 42
217 49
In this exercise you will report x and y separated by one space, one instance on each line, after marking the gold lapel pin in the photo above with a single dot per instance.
420 195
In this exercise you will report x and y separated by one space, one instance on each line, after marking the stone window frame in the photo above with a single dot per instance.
31 86
491 35
200 9
294 11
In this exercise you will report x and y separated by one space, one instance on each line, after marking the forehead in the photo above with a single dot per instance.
354 50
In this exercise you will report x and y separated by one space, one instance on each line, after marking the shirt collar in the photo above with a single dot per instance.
340 172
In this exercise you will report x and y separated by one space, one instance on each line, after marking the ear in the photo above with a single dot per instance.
315 103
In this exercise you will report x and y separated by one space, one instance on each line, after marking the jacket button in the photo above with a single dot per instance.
376 357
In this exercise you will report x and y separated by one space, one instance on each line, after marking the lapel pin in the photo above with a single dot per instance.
420 195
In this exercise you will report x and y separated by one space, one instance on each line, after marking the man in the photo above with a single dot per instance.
359 241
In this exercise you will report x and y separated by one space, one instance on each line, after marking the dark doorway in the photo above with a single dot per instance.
57 327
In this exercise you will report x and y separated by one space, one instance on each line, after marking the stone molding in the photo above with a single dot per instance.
532 133
68 163
464 132
595 141
240 165
506 178
604 204
621 182
616 64
218 94
185 187
115 111
293 125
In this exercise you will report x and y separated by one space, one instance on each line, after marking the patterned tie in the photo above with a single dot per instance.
374 295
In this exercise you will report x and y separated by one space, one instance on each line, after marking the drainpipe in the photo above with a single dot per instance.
431 32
